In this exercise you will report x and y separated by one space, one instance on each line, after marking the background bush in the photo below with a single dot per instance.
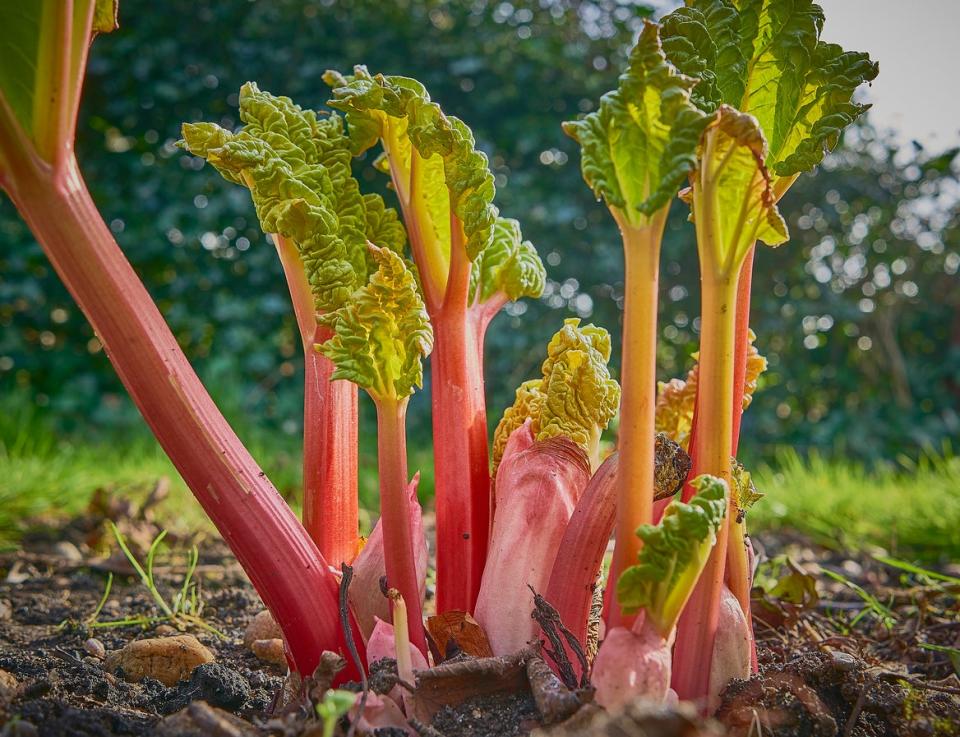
859 314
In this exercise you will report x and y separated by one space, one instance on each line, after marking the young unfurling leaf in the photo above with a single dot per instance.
297 167
509 267
576 398
673 555
676 398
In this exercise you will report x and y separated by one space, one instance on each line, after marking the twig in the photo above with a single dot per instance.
858 706
549 620
351 645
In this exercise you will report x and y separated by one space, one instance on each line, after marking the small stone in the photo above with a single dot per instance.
167 659
202 720
164 630
269 651
8 690
68 551
95 648
261 627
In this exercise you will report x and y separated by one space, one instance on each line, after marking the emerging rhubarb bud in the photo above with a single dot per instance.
539 484
575 399
632 663
731 648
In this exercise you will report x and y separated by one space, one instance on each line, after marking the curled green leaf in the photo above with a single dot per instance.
674 554
509 266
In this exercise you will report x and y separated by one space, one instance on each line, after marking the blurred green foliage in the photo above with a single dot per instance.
859 314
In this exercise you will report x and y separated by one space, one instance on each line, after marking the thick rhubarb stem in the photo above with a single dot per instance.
396 512
330 506
638 377
280 558
698 624
461 453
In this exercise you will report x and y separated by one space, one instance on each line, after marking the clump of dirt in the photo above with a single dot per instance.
499 715
812 695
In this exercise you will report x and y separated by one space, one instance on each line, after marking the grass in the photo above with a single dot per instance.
908 509
911 509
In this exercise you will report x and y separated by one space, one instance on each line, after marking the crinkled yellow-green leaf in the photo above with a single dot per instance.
297 167
432 156
765 57
509 266
575 398
382 333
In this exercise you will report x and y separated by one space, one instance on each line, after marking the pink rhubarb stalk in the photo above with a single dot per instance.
538 486
366 598
330 507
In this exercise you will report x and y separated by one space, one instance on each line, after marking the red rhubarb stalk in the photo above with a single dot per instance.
396 513
461 456
40 174
330 507
283 563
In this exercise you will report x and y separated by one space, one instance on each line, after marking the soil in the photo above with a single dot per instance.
834 664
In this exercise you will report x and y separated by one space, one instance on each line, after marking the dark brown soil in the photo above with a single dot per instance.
819 675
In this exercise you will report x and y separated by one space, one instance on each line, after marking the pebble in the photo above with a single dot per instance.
68 551
95 648
167 659
164 630
261 627
269 651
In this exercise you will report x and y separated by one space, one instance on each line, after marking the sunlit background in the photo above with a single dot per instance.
859 314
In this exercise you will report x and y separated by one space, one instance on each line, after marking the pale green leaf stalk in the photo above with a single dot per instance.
636 151
576 398
673 555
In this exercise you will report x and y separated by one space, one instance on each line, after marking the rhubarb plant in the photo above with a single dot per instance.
774 86
297 168
380 337
637 150
738 98
470 263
